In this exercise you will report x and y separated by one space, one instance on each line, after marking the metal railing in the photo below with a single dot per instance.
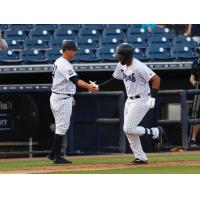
185 120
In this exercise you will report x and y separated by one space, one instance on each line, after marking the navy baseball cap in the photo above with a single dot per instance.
69 45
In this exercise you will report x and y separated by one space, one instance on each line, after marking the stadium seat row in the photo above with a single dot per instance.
102 54
95 34
96 42
108 41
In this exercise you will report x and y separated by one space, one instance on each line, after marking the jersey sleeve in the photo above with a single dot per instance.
118 73
68 72
146 72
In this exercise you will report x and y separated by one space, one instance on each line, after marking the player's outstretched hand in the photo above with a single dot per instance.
92 89
94 86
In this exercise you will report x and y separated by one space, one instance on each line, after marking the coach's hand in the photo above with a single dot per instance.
92 88
94 84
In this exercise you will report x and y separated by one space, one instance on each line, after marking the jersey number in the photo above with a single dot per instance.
54 70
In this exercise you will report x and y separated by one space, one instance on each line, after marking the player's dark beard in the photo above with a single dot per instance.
122 61
125 61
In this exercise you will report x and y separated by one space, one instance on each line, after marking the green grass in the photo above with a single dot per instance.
32 164
141 170
22 165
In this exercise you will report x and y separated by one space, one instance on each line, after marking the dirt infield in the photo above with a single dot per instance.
73 168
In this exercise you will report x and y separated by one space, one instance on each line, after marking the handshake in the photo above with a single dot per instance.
93 87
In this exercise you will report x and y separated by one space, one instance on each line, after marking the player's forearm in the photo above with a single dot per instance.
83 84
192 78
155 82
155 85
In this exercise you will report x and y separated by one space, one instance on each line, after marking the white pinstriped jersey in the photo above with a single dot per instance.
135 77
62 71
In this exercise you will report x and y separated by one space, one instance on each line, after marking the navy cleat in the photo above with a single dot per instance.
137 161
61 160
51 156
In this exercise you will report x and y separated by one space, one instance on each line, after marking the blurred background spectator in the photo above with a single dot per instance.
193 30
150 27
3 43
179 29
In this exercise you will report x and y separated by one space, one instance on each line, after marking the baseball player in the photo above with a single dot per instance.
195 81
65 80
136 77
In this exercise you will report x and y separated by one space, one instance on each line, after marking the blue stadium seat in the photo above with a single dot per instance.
15 44
23 27
15 35
86 55
165 32
159 40
40 34
113 32
32 56
49 27
137 42
138 32
117 26
158 53
184 40
4 27
66 34
73 27
90 33
133 26
56 43
132 31
10 57
99 27
139 53
86 43
183 52
53 54
36 44
111 41
106 54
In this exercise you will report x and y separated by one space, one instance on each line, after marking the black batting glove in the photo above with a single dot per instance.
154 93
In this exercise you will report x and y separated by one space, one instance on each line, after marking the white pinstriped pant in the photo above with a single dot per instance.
134 112
61 107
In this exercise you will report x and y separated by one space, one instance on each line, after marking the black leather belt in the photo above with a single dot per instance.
137 96
71 95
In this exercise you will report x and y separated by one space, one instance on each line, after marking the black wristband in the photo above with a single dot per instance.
154 93
107 83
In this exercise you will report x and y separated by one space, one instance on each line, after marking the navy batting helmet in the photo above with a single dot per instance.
124 50
69 45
